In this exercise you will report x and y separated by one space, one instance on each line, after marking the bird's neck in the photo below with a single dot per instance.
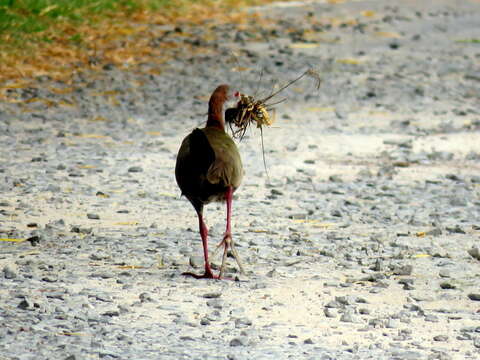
215 114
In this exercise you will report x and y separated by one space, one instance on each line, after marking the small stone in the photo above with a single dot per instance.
135 169
334 304
204 321
111 313
474 296
9 272
447 285
392 324
242 322
457 229
346 300
347 317
330 312
474 252
394 45
145 297
26 304
308 341
335 178
276 192
238 341
215 303
79 230
187 338
434 232
431 318
34 240
444 273
196 261
93 216
440 338
407 284
213 295
403 270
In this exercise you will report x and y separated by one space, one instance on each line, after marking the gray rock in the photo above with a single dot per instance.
441 338
330 312
9 272
349 316
474 296
213 295
135 169
402 270
444 273
239 341
242 322
474 252
431 318
448 285
392 324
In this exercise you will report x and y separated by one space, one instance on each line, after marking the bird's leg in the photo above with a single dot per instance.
227 241
204 235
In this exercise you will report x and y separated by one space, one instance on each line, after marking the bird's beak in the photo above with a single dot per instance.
232 100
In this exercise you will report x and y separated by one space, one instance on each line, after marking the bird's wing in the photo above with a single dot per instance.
193 161
227 168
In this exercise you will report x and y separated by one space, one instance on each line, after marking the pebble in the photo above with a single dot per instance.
239 341
444 273
431 318
93 216
135 169
402 270
474 296
442 338
392 324
348 316
9 272
243 322
330 312
474 252
212 295
447 285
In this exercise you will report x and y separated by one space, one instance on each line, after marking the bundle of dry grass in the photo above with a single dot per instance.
249 111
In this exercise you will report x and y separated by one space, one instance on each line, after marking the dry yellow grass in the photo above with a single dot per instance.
122 39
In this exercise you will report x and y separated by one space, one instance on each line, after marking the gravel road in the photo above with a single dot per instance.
362 242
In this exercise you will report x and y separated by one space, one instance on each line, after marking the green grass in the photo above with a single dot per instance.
19 17
472 41
23 18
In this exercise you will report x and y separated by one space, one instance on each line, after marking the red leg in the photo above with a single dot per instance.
228 199
204 235
227 241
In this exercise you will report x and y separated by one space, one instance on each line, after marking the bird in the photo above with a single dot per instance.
209 168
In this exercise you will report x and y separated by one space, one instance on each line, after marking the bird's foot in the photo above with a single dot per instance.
227 243
207 275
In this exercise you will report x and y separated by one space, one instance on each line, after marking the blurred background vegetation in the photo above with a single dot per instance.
47 36
19 18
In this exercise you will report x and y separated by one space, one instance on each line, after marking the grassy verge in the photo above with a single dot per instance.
55 37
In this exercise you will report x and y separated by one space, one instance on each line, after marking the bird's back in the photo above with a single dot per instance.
207 163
